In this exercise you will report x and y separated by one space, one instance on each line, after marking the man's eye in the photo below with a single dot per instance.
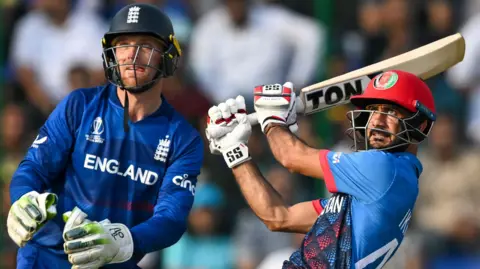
392 112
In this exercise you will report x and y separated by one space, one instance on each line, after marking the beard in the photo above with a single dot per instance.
379 139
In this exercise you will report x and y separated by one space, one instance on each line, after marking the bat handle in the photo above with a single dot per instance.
299 107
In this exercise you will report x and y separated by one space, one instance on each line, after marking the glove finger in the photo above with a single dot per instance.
241 107
22 232
18 240
288 85
215 115
47 203
83 230
232 105
83 244
75 218
16 237
85 257
29 205
225 110
22 219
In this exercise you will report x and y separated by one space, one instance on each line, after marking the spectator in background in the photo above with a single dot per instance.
12 150
202 246
397 18
361 47
449 185
440 21
47 42
465 76
242 44
253 241
13 135
79 77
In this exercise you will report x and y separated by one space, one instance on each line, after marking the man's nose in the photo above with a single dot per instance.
378 120
131 52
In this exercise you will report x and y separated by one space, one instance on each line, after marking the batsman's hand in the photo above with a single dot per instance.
275 103
91 244
29 214
228 131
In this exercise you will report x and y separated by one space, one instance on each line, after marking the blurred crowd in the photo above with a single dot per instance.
50 47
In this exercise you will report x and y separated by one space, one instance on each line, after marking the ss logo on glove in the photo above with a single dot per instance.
234 154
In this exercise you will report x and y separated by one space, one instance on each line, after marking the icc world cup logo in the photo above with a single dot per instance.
97 126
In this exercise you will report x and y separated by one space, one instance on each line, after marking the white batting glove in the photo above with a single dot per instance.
275 103
94 244
29 214
228 131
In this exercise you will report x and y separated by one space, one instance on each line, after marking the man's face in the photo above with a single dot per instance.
237 9
384 124
143 51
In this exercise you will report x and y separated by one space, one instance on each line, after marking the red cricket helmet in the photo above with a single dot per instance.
399 88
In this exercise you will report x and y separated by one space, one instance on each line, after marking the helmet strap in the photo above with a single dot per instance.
126 128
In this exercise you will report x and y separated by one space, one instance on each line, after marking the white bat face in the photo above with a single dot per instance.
323 98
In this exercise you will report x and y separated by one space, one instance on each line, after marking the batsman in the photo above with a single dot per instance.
117 159
374 188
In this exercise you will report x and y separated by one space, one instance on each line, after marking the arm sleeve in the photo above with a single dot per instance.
365 175
320 204
175 199
48 155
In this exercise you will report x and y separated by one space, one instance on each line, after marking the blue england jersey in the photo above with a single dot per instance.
363 223
144 179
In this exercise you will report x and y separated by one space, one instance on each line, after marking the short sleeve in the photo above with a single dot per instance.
366 175
319 204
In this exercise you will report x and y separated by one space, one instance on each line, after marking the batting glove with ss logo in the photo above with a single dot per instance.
228 131
275 103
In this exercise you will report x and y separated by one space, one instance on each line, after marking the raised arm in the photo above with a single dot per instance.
228 134
268 204
293 153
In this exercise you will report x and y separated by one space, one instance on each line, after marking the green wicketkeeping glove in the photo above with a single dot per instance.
29 214
94 244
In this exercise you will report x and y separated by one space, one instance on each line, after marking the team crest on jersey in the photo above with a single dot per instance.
385 81
133 14
162 149
96 131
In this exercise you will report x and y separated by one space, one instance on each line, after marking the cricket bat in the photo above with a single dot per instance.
425 62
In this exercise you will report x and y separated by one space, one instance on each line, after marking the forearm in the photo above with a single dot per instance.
262 198
291 152
157 233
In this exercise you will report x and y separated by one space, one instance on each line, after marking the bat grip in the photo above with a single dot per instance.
299 108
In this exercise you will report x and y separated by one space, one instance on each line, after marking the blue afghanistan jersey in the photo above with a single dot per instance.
363 223
144 179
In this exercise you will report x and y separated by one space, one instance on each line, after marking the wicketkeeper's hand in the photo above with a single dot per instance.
228 131
275 103
91 244
29 214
